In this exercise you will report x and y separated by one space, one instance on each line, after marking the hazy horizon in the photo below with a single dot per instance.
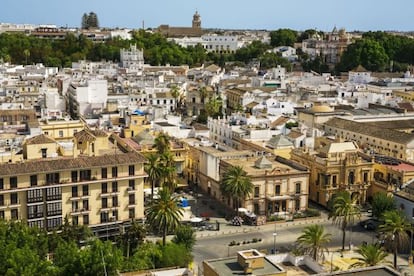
322 15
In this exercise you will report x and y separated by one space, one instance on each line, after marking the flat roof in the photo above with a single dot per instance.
230 266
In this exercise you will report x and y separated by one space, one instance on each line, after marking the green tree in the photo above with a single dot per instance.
381 203
163 213
344 212
236 184
283 37
132 238
394 229
366 52
370 255
145 258
154 170
26 53
272 60
185 235
175 255
175 92
313 240
214 106
162 143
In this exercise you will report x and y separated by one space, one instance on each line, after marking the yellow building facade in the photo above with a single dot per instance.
336 167
89 191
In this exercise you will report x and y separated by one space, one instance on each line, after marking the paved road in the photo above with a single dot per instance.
216 246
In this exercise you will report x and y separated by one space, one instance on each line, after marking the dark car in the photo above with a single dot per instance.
370 224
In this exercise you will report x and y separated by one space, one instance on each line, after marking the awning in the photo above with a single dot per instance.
196 219
276 198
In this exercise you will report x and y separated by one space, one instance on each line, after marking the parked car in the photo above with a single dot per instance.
370 224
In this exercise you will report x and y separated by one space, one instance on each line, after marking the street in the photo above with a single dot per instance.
217 246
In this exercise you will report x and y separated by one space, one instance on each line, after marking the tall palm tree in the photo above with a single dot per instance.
164 213
154 170
395 229
371 255
162 143
344 212
313 240
236 184
175 92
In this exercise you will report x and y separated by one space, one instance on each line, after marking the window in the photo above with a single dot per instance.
33 180
85 175
54 223
74 176
104 217
60 133
114 171
365 177
104 202
131 200
1 200
104 172
131 213
104 187
131 184
85 219
114 186
52 178
1 184
85 190
13 182
297 204
14 198
35 211
75 220
131 170
2 214
256 191
75 206
297 188
114 215
334 179
277 189
74 191
14 214
85 205
351 178
114 201
34 196
44 152
54 193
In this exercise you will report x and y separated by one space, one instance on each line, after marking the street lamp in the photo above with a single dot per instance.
274 242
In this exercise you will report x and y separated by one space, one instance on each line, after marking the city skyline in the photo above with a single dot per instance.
270 14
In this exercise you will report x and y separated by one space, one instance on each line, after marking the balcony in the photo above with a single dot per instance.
130 190
108 194
81 211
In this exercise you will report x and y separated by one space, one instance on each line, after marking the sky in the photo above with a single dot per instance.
324 15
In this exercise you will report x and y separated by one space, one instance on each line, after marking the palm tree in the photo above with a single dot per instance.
237 184
164 213
175 92
26 53
344 211
313 240
371 255
162 143
154 170
395 229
